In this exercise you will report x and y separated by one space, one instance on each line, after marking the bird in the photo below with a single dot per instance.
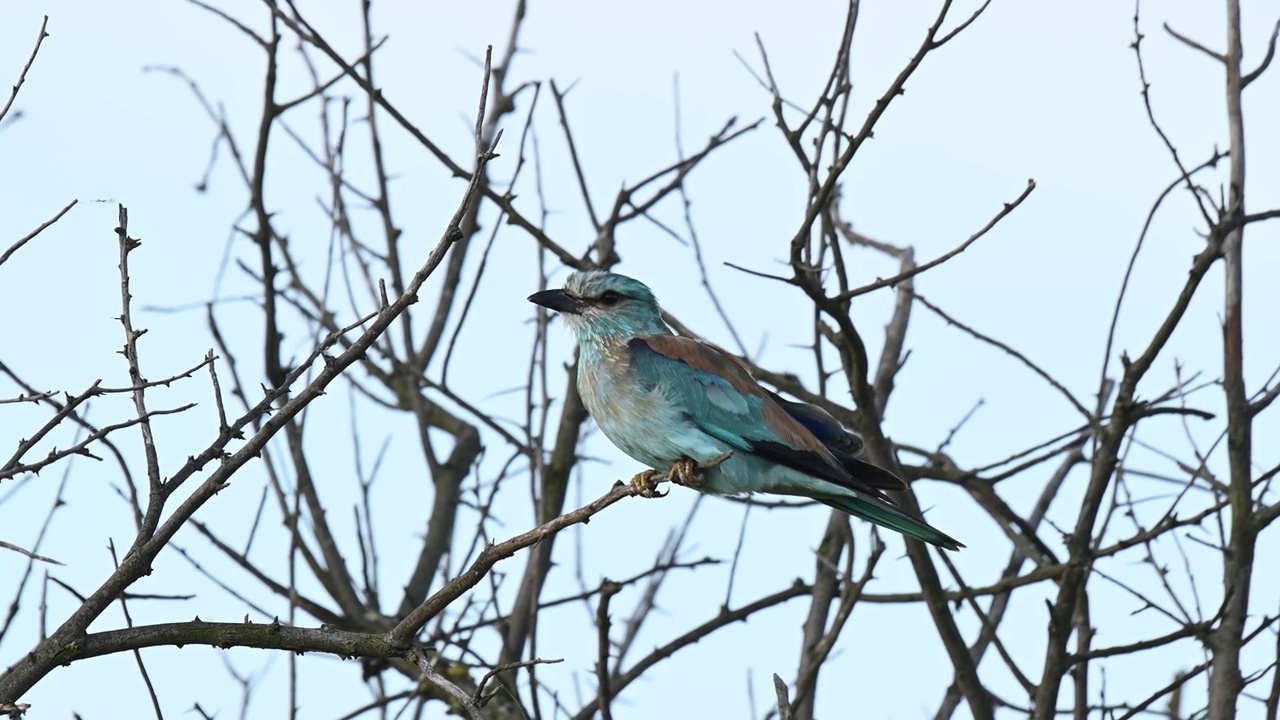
689 409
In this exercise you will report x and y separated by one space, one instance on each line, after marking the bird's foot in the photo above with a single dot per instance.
685 472
689 472
645 484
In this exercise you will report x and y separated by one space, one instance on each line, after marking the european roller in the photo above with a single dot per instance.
692 410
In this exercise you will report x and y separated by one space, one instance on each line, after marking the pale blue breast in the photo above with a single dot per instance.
643 422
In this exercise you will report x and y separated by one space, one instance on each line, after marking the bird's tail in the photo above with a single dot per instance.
885 515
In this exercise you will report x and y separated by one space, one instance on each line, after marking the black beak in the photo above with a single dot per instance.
557 300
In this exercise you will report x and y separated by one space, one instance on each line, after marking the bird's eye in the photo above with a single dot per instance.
610 297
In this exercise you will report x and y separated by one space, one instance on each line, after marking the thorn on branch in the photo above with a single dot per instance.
784 702
14 710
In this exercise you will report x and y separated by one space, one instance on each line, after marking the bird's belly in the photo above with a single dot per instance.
743 474
648 428
651 430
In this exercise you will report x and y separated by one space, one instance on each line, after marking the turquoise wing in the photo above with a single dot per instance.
722 399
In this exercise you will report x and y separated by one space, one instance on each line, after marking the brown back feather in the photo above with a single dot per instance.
711 359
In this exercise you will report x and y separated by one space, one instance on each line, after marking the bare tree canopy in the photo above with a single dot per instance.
286 440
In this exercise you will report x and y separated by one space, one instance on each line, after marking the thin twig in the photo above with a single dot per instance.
1009 207
156 500
479 695
465 702
1071 398
28 553
41 228
22 76
1195 45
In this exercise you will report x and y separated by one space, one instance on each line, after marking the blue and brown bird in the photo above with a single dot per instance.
692 411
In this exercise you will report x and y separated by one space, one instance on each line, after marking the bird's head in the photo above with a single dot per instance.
601 307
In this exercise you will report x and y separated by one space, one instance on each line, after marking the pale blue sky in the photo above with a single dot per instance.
1033 90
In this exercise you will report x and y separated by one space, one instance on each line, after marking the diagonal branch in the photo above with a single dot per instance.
886 282
1195 45
22 76
31 235
1266 60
